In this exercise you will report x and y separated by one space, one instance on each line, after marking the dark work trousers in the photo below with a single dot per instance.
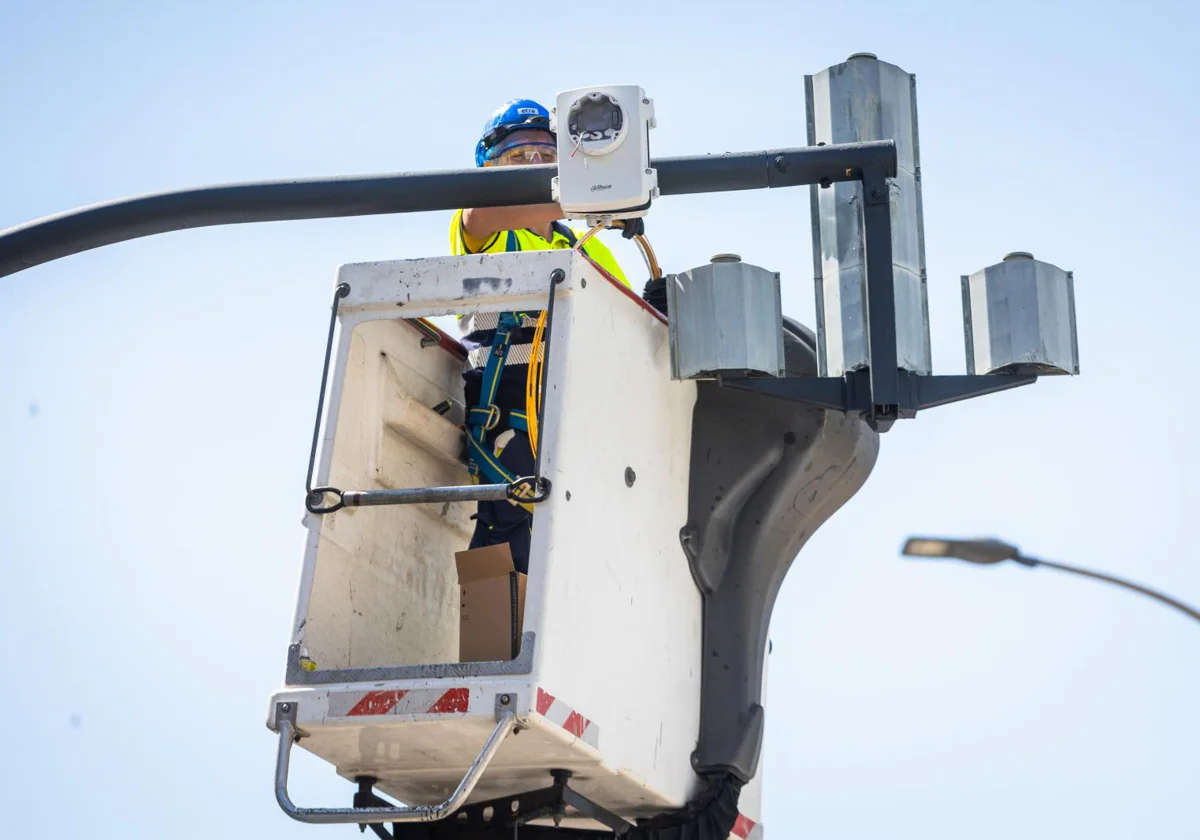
503 522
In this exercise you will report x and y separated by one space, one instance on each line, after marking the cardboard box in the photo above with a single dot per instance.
492 602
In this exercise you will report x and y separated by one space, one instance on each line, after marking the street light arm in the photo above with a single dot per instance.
81 230
1063 567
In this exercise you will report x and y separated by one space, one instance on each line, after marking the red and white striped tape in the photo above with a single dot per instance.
399 702
746 829
560 714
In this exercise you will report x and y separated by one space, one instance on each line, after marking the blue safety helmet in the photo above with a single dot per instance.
513 115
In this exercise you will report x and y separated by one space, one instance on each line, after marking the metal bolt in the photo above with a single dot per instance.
1018 255
558 275
645 101
285 707
863 55
505 699
649 171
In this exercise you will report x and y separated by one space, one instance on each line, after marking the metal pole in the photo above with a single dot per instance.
426 495
80 230
880 294
1033 562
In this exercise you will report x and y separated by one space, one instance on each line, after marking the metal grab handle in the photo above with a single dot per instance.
315 501
539 491
420 813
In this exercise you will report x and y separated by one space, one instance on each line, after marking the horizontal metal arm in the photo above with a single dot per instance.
933 391
80 230
794 167
853 392
526 489
1191 612
424 495
363 816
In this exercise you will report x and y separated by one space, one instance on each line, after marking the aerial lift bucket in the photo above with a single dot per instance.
606 685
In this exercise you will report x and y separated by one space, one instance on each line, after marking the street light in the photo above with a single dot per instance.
988 551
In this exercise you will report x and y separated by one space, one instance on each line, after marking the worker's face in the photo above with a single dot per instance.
524 148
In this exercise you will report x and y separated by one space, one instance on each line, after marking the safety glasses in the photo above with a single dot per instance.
522 154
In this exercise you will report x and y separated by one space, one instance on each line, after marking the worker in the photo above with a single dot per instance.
517 134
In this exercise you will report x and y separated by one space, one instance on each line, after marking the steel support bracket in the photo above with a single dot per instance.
853 394
506 704
932 391
287 712
513 812
850 393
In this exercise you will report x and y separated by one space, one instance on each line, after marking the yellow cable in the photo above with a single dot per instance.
648 253
579 245
533 378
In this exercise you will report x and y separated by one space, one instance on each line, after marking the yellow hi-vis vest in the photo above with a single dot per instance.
527 240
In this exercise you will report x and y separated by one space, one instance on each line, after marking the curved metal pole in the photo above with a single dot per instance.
1033 562
80 230
362 816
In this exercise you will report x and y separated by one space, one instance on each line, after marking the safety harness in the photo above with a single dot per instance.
485 417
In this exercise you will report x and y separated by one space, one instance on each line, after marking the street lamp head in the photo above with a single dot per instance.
972 551
927 547
987 552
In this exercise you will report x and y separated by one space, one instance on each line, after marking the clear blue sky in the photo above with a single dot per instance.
156 396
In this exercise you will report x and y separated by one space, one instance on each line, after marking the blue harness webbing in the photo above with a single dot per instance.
485 417
482 419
